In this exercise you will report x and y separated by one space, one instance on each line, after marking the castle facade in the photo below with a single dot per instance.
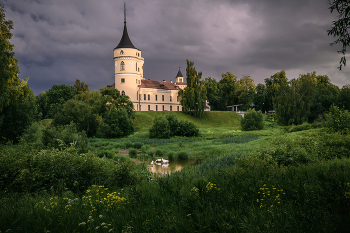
145 94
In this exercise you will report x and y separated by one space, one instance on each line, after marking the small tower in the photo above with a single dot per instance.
128 66
180 80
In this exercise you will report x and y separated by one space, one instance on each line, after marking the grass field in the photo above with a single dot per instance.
279 179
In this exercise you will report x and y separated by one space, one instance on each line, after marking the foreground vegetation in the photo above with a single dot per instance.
279 179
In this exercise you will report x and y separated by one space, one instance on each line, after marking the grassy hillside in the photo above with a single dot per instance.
210 119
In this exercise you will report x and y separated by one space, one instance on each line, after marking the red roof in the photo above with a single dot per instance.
158 85
111 86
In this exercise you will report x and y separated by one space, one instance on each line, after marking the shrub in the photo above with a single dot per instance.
252 120
138 145
107 154
145 148
171 126
182 155
33 135
159 152
128 145
133 153
160 128
338 120
150 153
171 156
116 124
27 171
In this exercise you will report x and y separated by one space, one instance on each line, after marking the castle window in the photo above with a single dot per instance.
136 81
140 96
162 97
177 98
149 97
171 99
122 66
121 52
123 92
156 107
136 66
138 69
163 107
171 108
156 98
149 107
144 96
137 96
122 80
177 108
139 81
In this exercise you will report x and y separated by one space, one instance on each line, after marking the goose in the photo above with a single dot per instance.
165 161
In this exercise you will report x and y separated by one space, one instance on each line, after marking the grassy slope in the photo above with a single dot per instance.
210 119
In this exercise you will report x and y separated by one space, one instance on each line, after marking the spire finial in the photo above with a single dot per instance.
124 13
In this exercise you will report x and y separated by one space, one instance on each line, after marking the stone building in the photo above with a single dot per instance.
146 95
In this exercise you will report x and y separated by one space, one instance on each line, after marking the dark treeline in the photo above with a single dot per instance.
304 99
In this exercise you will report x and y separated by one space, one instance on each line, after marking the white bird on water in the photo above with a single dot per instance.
165 161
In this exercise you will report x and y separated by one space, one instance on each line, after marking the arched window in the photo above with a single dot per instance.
123 92
121 52
122 66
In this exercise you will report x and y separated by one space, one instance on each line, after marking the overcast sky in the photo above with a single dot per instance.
59 41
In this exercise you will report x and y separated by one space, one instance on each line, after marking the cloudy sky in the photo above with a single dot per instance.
59 41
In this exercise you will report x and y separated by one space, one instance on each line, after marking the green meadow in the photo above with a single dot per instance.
278 179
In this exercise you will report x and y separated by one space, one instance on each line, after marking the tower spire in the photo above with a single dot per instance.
124 13
125 41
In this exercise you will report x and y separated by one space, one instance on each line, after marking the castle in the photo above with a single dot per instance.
146 95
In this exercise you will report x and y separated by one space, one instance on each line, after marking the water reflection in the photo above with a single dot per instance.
172 166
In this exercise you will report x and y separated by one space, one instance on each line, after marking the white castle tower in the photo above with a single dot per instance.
128 66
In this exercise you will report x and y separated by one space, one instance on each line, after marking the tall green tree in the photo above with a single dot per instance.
272 85
84 110
17 102
213 95
112 98
228 89
344 97
57 95
326 94
193 97
260 97
245 91
293 99
341 26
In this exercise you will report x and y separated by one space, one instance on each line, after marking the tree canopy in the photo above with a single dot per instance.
341 26
193 97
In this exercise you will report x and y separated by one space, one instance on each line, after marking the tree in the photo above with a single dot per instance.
245 91
17 102
228 89
112 98
344 97
84 110
57 95
340 27
272 85
193 97
116 124
293 100
80 87
260 97
252 120
213 95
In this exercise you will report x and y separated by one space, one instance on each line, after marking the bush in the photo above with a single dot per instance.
150 153
252 120
182 155
171 156
338 120
128 145
133 153
145 148
160 128
107 154
138 145
27 171
171 126
41 137
159 152
116 124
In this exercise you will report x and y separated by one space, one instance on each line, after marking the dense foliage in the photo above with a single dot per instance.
252 120
193 97
169 126
338 120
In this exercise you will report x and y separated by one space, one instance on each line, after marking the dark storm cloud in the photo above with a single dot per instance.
60 41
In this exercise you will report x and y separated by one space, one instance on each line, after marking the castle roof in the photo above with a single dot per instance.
158 85
125 41
179 74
